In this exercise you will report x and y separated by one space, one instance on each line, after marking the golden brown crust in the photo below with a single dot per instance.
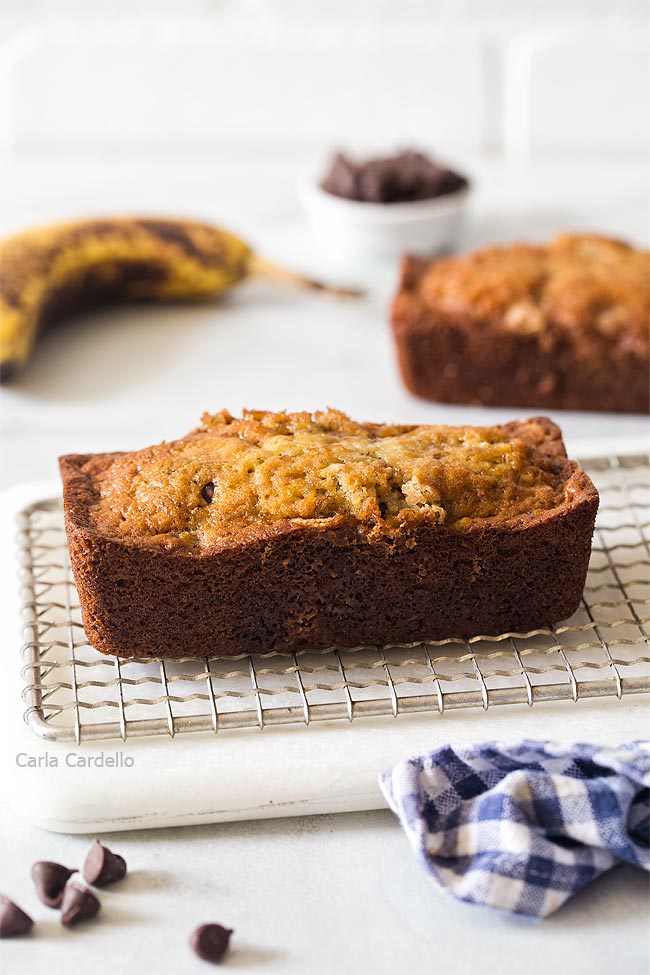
232 476
576 281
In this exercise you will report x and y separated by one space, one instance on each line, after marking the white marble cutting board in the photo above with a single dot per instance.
238 775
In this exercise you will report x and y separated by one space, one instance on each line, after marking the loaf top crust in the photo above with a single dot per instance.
233 478
576 282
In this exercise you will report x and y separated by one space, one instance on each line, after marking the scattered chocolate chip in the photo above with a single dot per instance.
50 880
210 942
13 921
78 904
102 867
208 492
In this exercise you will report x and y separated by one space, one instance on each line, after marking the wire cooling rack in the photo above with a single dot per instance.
74 693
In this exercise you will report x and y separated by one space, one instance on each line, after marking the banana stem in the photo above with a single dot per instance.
284 276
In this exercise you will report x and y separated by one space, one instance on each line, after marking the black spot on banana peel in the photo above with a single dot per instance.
54 272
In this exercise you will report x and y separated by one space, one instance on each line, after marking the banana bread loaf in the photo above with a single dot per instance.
562 326
289 530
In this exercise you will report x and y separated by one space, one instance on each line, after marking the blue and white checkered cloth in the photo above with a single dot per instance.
523 826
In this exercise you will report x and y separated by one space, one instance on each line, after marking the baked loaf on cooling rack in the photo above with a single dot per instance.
562 326
280 531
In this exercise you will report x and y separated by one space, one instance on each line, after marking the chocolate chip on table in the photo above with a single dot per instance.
78 904
13 921
102 867
208 492
210 942
50 880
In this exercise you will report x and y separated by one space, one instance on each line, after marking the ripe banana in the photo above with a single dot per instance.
55 271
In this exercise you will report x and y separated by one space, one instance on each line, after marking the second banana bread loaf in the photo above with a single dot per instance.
559 326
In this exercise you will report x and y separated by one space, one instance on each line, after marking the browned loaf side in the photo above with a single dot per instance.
562 326
287 531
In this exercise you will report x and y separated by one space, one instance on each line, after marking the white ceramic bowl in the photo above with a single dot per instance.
354 230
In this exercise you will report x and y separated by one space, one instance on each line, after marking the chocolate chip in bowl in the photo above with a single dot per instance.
386 206
400 178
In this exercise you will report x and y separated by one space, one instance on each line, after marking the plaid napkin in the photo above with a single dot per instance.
523 826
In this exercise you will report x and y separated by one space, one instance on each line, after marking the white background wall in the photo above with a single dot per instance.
184 77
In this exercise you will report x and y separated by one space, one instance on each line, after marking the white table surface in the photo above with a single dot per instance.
307 894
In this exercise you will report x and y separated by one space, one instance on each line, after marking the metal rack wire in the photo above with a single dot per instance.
74 693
